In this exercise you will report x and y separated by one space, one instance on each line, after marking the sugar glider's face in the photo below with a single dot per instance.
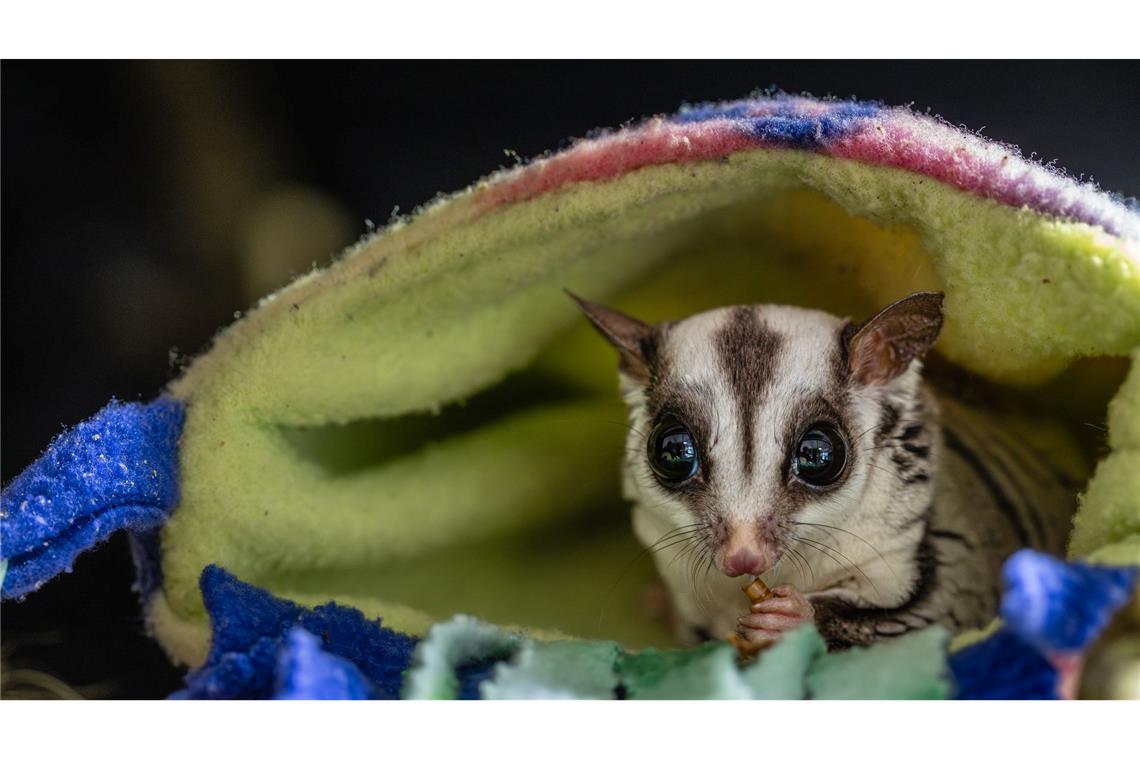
749 419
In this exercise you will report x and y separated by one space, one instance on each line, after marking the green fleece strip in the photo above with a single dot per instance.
705 672
798 666
557 670
781 671
448 647
909 667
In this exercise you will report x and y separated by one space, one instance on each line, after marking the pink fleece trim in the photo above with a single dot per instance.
656 142
926 146
894 137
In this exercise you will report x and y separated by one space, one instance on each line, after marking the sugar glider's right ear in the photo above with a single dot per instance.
632 338
884 346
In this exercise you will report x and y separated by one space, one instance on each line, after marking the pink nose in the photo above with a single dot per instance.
744 561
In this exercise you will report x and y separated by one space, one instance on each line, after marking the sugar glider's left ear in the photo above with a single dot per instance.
632 338
881 349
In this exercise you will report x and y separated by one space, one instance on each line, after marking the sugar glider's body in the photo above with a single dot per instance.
790 444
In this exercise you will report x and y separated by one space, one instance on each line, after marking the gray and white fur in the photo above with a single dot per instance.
930 501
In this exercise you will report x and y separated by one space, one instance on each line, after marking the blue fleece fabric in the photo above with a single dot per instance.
251 642
1003 666
787 126
1048 607
118 470
306 671
472 675
146 551
1060 607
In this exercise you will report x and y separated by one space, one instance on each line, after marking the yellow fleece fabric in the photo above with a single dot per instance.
426 427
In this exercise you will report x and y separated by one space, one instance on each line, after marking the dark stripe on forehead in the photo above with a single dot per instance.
747 354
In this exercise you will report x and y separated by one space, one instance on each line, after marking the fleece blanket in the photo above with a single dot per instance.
424 428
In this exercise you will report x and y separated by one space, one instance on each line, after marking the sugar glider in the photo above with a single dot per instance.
793 445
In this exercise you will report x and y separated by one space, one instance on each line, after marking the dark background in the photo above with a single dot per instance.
145 203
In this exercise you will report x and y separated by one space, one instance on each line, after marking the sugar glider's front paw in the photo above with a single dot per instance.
785 610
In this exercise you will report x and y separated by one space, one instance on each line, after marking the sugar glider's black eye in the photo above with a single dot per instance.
672 454
820 455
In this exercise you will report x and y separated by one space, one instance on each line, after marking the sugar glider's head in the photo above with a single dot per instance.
747 420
